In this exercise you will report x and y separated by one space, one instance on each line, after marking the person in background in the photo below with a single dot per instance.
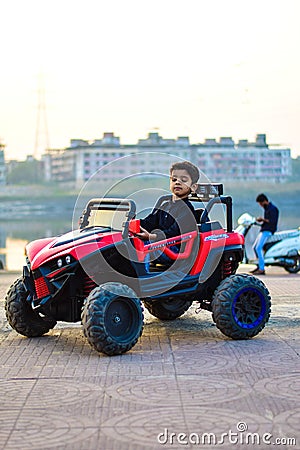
268 227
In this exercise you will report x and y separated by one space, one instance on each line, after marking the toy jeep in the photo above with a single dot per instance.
97 274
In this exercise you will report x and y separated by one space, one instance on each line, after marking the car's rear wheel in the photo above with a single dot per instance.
112 318
20 314
241 306
169 309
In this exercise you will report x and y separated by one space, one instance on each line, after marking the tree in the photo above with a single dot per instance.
25 172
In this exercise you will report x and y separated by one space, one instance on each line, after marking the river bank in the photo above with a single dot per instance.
45 202
242 190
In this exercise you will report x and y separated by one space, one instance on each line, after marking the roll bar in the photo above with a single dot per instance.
119 204
210 194
225 200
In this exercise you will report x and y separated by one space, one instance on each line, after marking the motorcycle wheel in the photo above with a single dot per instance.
296 267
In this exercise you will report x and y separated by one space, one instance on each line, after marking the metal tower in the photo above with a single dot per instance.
41 132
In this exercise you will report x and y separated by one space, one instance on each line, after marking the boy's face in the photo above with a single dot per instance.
181 183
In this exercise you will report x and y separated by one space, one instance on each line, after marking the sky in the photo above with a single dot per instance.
197 68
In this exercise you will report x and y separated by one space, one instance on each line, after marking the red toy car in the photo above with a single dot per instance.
97 274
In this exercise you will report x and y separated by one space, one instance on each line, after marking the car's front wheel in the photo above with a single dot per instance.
241 306
112 318
20 314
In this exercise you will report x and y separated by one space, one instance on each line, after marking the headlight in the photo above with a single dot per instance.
64 261
59 263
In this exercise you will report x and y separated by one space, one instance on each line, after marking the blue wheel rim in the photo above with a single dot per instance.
248 308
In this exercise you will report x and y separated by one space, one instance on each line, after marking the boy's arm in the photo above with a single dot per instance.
184 222
148 223
151 221
144 235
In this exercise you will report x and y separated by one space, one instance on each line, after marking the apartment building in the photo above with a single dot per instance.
2 165
107 160
244 161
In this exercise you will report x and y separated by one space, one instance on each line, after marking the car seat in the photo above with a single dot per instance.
198 213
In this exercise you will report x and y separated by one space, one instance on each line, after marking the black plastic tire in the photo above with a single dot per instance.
21 316
296 267
112 318
241 306
169 309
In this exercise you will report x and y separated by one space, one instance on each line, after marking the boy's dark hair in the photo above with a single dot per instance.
262 198
192 170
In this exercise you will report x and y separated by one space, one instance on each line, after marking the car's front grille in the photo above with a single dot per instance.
41 287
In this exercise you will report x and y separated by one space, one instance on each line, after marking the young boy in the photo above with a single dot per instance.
175 216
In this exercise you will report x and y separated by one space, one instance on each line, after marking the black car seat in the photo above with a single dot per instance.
198 213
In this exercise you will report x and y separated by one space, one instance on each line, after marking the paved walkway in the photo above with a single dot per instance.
184 377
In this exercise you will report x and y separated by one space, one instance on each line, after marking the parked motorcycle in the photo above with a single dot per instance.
281 249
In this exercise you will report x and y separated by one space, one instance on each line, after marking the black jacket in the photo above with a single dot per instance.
271 214
173 218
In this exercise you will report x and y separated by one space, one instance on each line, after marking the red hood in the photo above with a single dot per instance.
77 243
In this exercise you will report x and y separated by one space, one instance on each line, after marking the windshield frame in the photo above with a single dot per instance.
94 207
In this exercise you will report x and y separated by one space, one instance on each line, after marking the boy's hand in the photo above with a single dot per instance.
144 235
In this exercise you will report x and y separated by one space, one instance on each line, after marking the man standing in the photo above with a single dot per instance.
268 227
